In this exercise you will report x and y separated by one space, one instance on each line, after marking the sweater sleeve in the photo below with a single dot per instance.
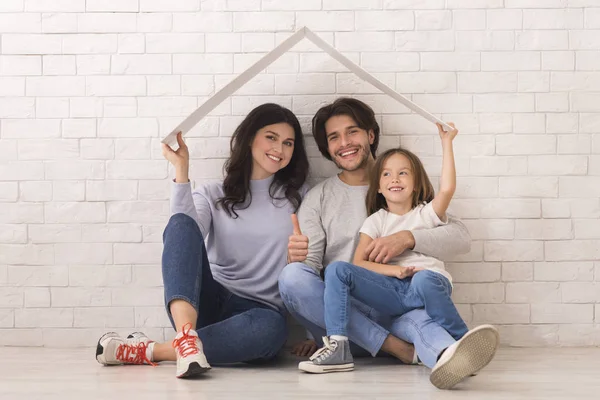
196 205
444 241
311 225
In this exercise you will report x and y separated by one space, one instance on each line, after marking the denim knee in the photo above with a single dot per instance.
337 269
181 218
181 221
295 283
291 277
426 281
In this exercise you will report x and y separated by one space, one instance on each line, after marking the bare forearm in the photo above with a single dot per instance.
383 269
448 178
443 197
182 174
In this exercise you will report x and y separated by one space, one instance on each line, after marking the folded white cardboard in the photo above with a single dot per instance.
273 55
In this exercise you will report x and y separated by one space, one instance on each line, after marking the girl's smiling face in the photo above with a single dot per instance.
396 182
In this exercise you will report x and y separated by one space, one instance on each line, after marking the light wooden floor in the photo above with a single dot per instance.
28 373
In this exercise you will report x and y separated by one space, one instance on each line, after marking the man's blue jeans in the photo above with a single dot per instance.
303 292
390 296
232 329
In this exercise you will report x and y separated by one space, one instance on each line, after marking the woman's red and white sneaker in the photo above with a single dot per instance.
191 360
136 349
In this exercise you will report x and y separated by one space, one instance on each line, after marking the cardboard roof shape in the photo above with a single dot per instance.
273 55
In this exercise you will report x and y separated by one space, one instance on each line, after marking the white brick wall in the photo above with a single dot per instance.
87 88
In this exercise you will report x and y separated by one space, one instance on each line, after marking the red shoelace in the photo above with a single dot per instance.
133 354
186 344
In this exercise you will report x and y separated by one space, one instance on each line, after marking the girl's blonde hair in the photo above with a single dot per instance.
423 188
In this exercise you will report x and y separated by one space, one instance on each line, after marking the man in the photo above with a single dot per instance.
330 217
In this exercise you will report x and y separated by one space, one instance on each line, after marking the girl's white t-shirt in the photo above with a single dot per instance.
384 223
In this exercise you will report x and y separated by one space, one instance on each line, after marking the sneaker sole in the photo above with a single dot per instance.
194 369
474 352
325 369
100 348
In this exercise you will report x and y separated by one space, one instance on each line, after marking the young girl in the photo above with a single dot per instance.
400 197
221 295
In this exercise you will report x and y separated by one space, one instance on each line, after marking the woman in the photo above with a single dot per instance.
222 297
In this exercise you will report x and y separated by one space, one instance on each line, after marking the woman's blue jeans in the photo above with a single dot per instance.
232 329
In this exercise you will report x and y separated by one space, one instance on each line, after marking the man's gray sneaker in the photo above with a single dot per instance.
334 356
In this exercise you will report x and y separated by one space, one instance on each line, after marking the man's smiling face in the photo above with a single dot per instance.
349 146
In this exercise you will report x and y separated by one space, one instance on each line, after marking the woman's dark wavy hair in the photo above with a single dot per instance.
238 168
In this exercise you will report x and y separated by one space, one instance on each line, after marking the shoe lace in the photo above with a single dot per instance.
133 354
328 347
186 344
